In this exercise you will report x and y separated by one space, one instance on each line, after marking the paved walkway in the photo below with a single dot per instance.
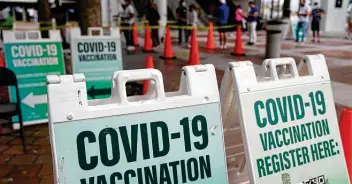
36 166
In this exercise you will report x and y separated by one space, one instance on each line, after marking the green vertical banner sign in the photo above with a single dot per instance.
32 60
97 57
289 122
171 138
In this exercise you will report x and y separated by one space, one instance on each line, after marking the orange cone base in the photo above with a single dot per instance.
214 48
166 58
237 54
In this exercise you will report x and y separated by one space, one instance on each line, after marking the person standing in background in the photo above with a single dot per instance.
153 18
128 19
224 12
302 13
239 15
181 17
316 14
252 22
349 21
192 19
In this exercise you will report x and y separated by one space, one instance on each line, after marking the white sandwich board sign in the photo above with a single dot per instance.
289 124
97 57
157 138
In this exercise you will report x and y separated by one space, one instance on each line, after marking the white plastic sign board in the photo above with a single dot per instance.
32 58
97 57
288 122
161 137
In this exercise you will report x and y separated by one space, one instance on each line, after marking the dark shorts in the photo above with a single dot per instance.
315 26
220 29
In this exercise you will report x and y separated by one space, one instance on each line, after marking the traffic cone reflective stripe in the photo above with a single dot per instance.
194 52
149 63
148 44
210 40
168 52
346 136
135 35
238 49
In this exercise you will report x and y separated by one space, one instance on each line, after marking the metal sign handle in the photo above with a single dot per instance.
122 77
91 29
272 64
27 33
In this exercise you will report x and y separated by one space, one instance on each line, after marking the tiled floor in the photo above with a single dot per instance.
35 167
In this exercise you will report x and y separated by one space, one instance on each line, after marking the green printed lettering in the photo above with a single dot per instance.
81 150
200 132
299 106
325 125
260 167
287 160
272 144
271 111
192 176
140 176
290 107
104 148
292 152
332 146
276 163
164 174
164 133
305 155
130 146
314 152
268 165
260 122
205 168
183 171
296 134
327 151
145 142
279 142
282 106
129 174
174 165
318 128
308 126
304 132
101 180
320 150
115 177
150 175
284 132
91 180
299 155
264 140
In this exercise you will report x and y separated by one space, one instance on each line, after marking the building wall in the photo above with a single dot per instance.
335 20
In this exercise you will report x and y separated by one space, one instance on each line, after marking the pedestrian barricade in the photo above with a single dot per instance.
173 137
97 57
288 122
32 58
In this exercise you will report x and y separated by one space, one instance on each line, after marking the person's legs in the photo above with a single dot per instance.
254 28
252 32
318 31
126 33
180 30
154 39
221 37
299 27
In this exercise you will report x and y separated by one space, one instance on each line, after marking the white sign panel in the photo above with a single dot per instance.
289 122
157 138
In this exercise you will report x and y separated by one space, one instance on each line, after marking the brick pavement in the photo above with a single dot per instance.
35 167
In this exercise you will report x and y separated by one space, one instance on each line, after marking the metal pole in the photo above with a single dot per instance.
104 12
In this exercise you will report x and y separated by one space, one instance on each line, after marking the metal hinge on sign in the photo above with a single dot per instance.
200 68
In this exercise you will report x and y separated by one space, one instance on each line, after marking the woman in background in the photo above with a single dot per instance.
192 19
153 17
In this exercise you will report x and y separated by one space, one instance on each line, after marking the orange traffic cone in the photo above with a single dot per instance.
149 63
210 40
346 136
194 52
148 44
168 52
238 50
135 35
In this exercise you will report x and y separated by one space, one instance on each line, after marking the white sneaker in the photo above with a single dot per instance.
189 46
225 46
221 47
131 48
